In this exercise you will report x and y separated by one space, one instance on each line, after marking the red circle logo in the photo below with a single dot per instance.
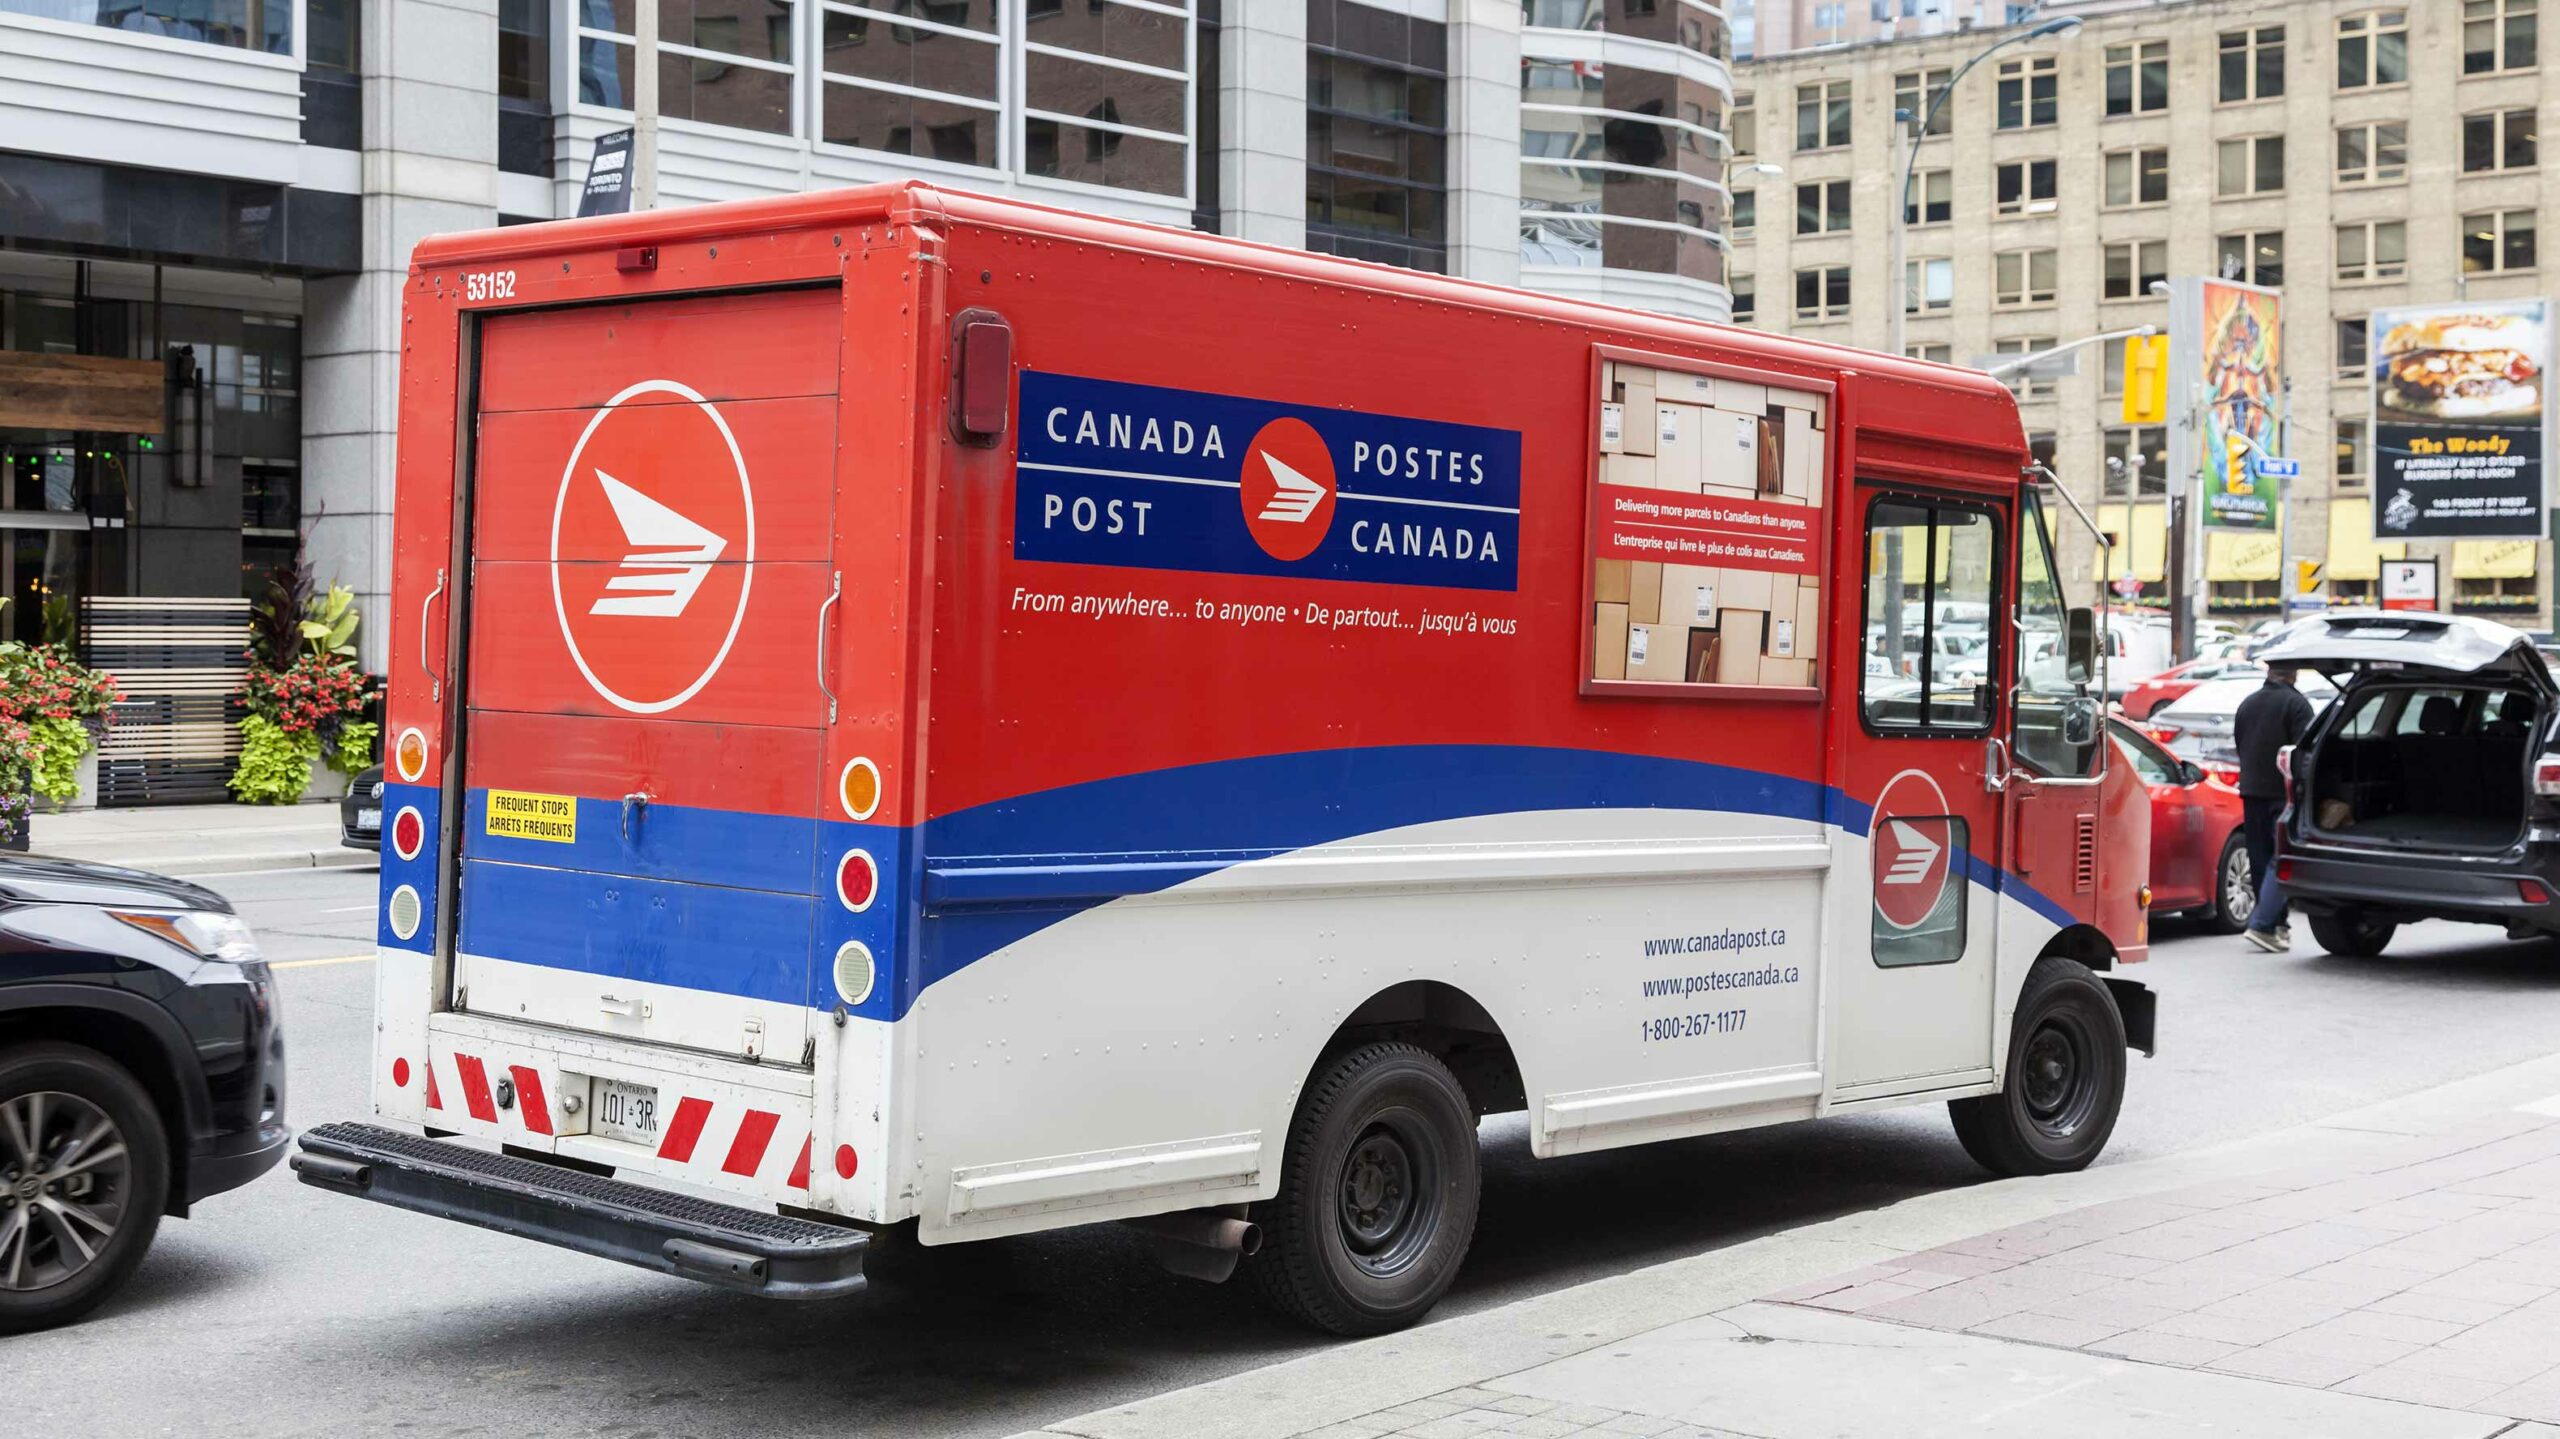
651 541
1287 491
1912 849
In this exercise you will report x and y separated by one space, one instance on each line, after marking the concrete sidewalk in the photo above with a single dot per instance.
2393 1271
201 838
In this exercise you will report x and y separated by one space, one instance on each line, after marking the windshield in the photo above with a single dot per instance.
2044 685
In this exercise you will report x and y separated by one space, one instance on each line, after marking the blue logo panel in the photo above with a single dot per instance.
1140 475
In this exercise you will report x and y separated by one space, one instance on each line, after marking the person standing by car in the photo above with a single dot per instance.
2276 716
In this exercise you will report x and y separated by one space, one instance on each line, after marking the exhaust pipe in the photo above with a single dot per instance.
1202 1244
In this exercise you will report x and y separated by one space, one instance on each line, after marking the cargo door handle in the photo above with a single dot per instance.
435 693
635 805
835 591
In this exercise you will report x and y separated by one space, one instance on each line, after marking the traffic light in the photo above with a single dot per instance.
2146 380
2235 467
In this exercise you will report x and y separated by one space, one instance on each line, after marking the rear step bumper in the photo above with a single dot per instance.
746 1249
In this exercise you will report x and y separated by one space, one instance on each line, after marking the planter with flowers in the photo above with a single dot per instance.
52 711
307 700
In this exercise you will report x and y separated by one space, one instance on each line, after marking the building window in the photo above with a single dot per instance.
1934 354
2111 368
1746 214
2373 49
2352 347
2136 461
2497 35
524 49
2374 154
1912 92
1377 154
2252 166
2350 453
1928 285
2027 93
2257 258
1822 208
2131 266
2252 64
2138 77
2025 187
735 69
1822 293
1933 198
2372 250
2497 242
2137 177
1619 169
2024 386
1742 132
1822 115
1746 298
2023 277
2498 140
265 25
2517 593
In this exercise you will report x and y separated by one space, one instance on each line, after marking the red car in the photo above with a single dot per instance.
2175 681
2199 863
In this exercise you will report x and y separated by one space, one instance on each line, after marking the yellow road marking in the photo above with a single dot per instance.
316 963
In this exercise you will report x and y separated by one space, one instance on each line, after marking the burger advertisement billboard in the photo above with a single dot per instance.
2458 420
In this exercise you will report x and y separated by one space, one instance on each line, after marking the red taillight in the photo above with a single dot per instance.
2532 892
2284 871
857 880
408 833
2163 735
2546 776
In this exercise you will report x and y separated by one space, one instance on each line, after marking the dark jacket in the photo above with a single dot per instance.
2276 716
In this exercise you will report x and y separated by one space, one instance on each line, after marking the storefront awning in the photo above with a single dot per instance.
2353 552
2142 540
2495 559
2241 555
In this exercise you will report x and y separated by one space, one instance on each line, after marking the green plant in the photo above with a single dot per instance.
55 744
328 623
275 767
354 751
275 620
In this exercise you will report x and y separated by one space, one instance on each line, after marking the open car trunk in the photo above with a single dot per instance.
2433 742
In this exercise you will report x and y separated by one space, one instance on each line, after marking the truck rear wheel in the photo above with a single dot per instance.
2065 1081
2353 935
1377 1196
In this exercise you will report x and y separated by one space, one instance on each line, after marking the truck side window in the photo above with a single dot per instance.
1929 637
2044 686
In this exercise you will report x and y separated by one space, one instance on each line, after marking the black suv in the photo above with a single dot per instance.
2414 796
141 1069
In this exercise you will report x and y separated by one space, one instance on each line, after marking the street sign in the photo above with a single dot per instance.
2409 584
2304 604
2128 586
2044 365
2269 467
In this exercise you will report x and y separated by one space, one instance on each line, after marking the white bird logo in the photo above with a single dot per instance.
670 556
1917 852
1297 496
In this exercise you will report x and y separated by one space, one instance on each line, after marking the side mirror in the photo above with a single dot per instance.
2079 722
2080 644
2190 772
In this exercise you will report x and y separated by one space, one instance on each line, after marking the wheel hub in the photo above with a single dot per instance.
67 1174
2056 1078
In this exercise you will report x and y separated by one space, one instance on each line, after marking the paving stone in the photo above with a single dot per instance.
1962 1266
2151 1346
1353 1429
1473 1396
2525 1401
1858 1298
2336 1293
1525 1405
2444 1391
1531 1426
2228 1328
2059 1332
2098 1308
2223 1194
2317 1371
2375 1324
1418 1410
2297 1313
2042 1278
1465 1424
2326 1342
2439 1306
2506 1291
1800 1293
2501 1368
2185 1286
2114 1266
1957 1306
1588 1415
1642 1426
2174 1241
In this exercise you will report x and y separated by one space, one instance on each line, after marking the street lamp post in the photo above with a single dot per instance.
1899 220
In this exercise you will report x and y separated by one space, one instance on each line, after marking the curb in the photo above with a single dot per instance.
197 862
1335 1385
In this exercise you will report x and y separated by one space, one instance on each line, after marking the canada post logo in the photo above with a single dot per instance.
1158 478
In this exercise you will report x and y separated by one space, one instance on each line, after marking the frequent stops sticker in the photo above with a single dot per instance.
516 814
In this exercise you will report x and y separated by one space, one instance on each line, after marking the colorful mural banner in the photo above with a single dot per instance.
2240 354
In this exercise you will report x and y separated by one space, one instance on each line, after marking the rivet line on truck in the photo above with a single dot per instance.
926 710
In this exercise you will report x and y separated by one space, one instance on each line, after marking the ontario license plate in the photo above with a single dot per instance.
626 1111
368 819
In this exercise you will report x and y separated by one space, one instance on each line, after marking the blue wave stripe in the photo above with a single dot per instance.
730 941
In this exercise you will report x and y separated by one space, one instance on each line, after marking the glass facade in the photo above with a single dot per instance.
1377 135
263 25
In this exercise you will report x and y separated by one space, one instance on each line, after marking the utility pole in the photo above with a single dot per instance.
644 106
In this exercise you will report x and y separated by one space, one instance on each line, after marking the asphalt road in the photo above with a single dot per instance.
281 1310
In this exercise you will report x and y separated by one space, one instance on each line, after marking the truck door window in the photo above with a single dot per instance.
2044 685
1929 607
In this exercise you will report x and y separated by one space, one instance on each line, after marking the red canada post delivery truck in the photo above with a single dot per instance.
912 708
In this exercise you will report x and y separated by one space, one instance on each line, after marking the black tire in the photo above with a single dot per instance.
2353 935
2065 1082
2235 888
54 1098
1377 1198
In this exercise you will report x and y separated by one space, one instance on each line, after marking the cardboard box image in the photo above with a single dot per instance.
1689 593
1798 673
1611 581
1772 479
1733 451
1635 393
1808 620
1738 652
1704 645
1802 477
1680 433
1747 590
1613 427
1687 388
1627 469
1609 642
1644 594
1658 653
1739 395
